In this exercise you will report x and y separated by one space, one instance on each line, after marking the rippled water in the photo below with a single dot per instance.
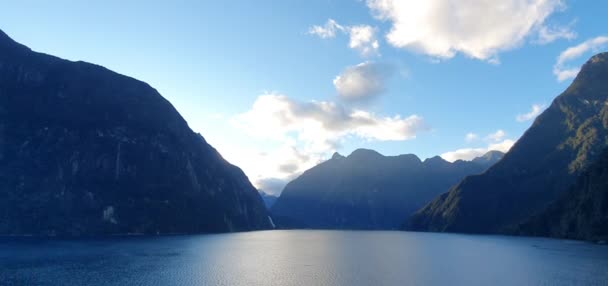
305 258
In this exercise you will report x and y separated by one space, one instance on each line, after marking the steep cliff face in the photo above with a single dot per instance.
367 190
581 213
563 141
84 151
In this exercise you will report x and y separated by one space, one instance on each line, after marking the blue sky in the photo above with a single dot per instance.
261 84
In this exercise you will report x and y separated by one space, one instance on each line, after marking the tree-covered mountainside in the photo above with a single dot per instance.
367 190
563 141
581 213
87 151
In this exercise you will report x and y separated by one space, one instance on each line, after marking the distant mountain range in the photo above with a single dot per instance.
367 190
87 151
527 191
268 199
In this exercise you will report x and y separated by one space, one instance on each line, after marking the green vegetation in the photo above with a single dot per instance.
562 143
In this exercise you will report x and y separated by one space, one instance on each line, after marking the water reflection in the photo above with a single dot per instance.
305 258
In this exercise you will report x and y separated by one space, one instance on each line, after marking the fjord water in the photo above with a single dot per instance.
304 257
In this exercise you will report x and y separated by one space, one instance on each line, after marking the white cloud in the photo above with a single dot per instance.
497 136
321 124
496 141
468 154
548 34
307 133
363 81
480 29
326 31
362 37
471 137
563 72
269 171
537 109
272 186
566 74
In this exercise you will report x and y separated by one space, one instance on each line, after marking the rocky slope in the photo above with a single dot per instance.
367 190
563 141
87 151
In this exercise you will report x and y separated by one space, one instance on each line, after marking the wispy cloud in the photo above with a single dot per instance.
547 34
471 137
327 31
497 136
536 110
362 37
564 72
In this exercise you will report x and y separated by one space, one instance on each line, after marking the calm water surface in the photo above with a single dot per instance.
305 258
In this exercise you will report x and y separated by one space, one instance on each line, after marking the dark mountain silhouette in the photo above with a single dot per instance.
87 151
563 141
367 190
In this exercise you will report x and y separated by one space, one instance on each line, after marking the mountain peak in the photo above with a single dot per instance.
594 70
336 156
598 61
490 157
4 36
411 157
379 191
364 154
7 42
435 161
599 58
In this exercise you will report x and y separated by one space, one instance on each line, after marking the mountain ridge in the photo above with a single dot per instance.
366 190
88 151
559 145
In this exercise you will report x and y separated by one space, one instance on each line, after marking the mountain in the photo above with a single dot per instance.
490 158
367 190
268 199
562 142
87 151
581 213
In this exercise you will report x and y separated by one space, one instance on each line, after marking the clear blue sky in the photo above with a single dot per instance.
215 59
